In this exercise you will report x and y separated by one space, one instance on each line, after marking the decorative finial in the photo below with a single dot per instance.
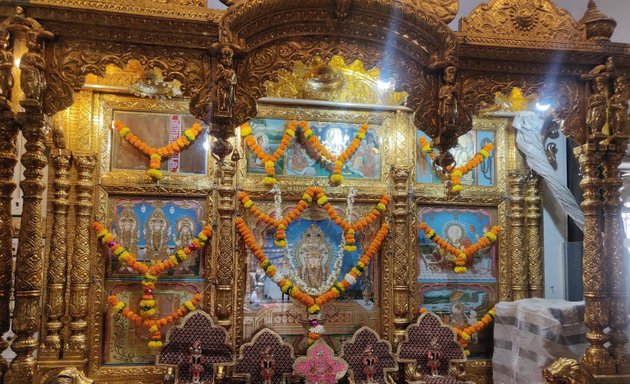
599 27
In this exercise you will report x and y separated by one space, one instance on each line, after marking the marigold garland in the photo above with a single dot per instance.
150 277
316 194
462 256
464 334
157 155
313 304
338 161
270 160
455 175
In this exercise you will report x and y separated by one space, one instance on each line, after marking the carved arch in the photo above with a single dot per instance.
400 38
69 61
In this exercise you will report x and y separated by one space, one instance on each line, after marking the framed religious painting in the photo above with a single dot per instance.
460 293
490 176
314 259
359 132
134 130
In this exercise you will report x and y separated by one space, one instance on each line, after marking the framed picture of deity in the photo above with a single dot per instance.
460 298
155 124
154 228
314 260
301 161
489 176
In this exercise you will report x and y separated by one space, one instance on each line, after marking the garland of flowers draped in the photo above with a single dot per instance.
462 256
453 176
157 155
315 194
290 131
464 334
150 276
313 302
288 287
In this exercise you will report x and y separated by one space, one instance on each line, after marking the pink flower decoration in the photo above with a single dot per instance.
320 365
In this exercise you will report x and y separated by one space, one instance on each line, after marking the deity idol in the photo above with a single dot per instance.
127 229
434 355
267 365
196 361
184 234
315 254
369 361
157 232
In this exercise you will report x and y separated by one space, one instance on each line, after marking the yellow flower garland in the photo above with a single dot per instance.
157 155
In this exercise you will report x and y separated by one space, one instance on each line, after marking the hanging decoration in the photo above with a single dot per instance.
157 155
287 285
292 128
150 276
464 334
463 257
453 175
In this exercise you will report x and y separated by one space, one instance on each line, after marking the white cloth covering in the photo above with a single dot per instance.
530 334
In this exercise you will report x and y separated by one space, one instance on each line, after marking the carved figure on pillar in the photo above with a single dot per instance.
448 99
32 68
6 64
225 83
619 107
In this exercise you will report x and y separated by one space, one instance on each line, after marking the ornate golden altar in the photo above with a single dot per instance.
390 64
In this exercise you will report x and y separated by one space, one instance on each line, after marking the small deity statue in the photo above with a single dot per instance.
169 376
313 253
127 229
619 107
434 355
32 67
267 365
448 99
157 232
597 103
369 360
226 81
6 65
196 361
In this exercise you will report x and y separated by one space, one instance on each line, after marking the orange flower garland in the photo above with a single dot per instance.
157 155
150 277
464 335
463 256
338 161
269 160
456 174
317 194
312 303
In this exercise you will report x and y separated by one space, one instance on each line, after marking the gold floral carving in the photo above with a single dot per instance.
446 10
398 243
532 235
334 81
522 21
71 60
568 371
8 160
80 266
596 316
475 371
520 290
613 240
54 310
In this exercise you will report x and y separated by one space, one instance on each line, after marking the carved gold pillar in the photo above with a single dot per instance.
400 241
80 266
616 257
518 262
8 160
533 238
596 357
29 262
225 288
57 260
